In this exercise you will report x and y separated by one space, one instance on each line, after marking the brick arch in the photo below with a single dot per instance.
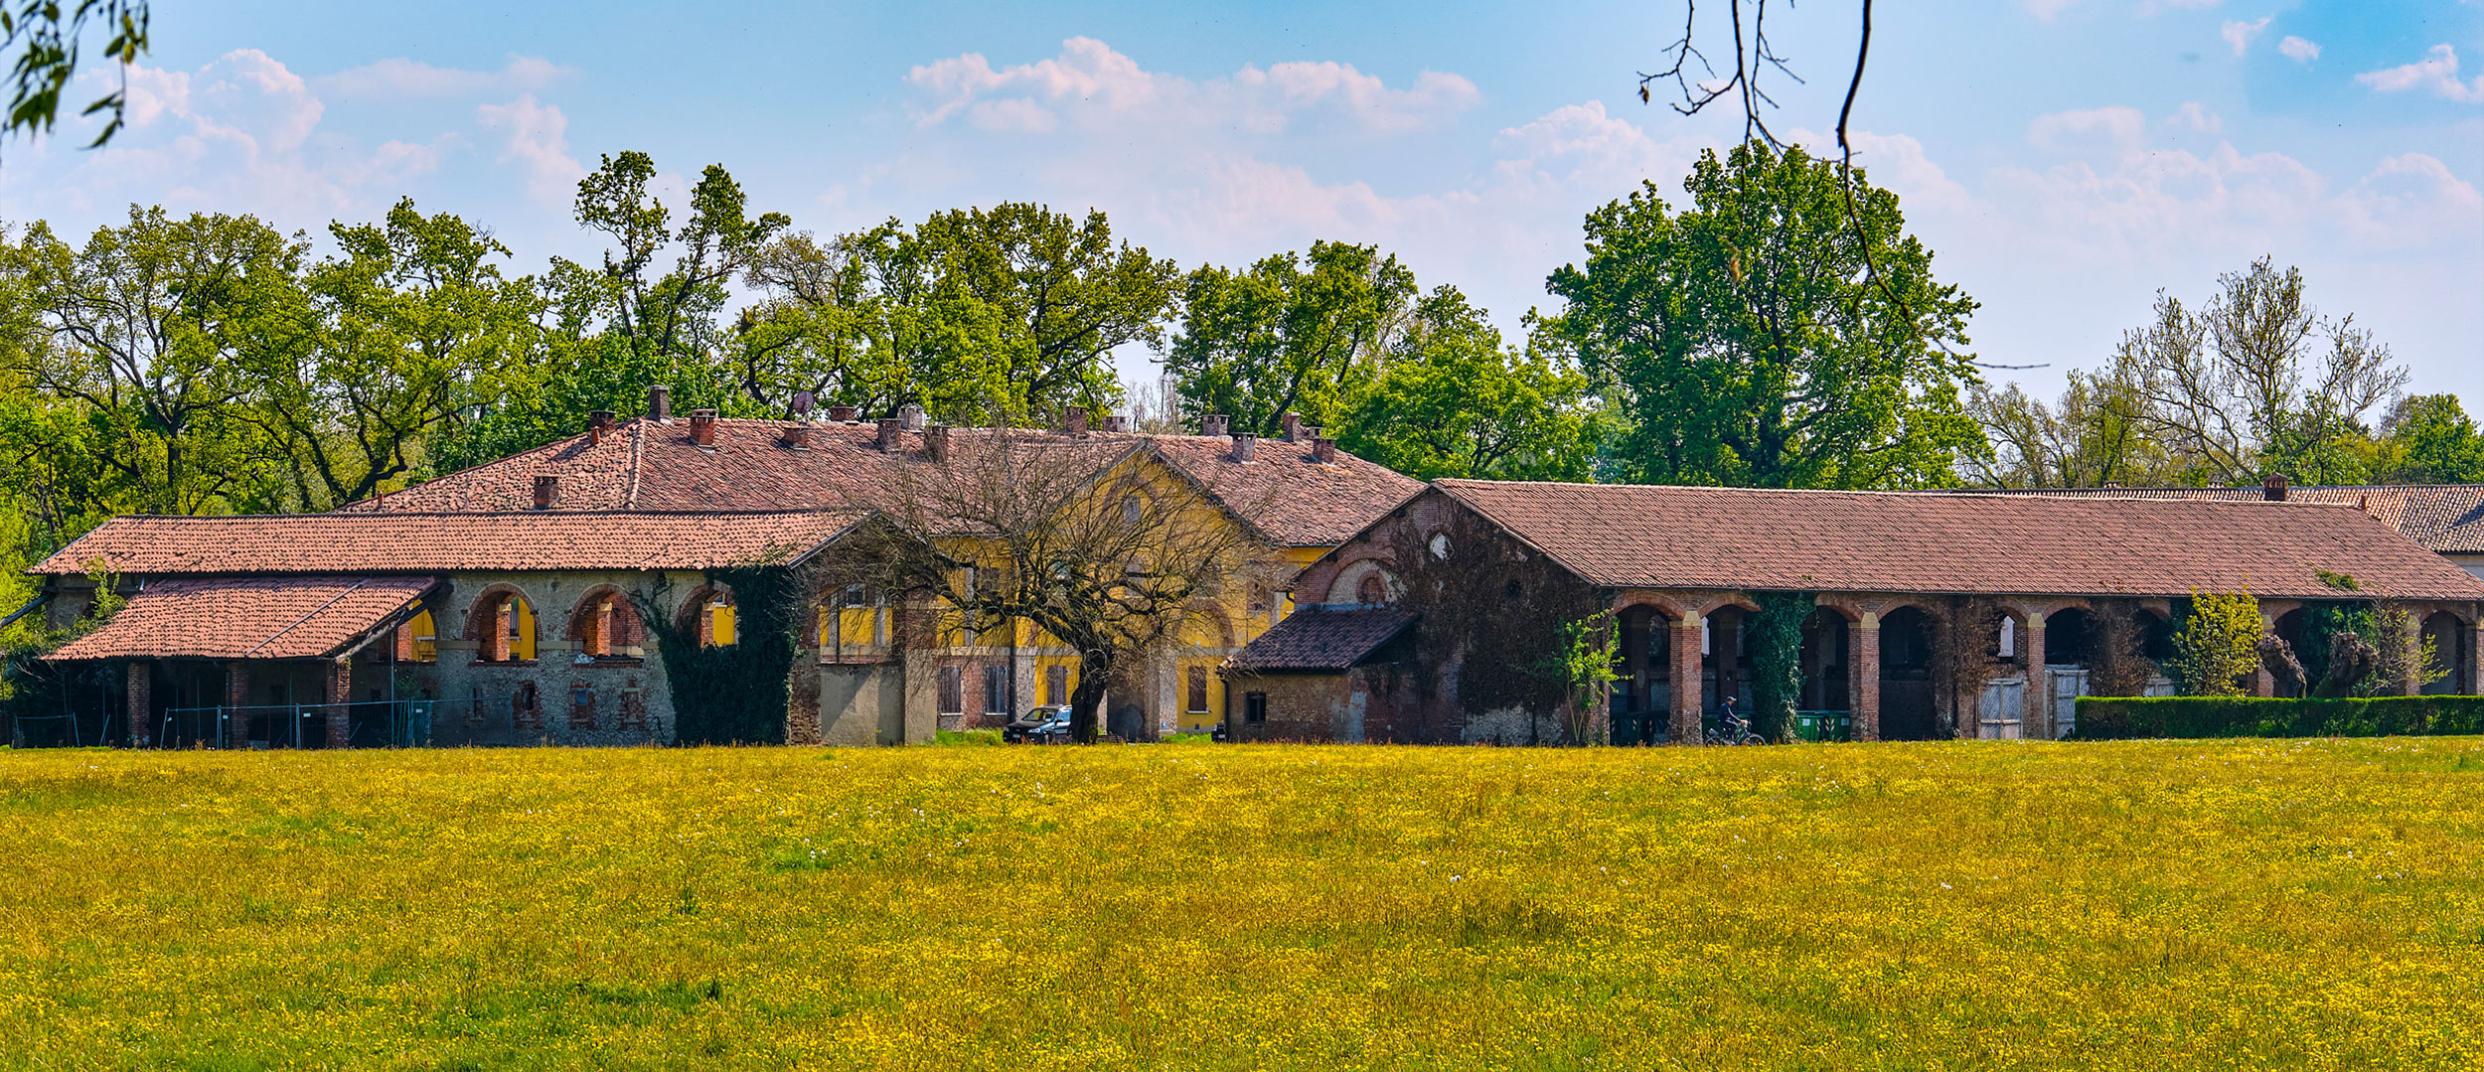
627 629
482 624
1346 585
1738 600
1218 621
685 615
1664 608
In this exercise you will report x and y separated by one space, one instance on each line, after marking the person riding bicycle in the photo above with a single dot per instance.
1728 719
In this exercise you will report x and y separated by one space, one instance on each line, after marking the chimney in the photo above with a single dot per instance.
1323 449
1213 424
1292 425
1116 423
547 490
2273 489
841 414
911 417
703 427
1305 433
659 403
1243 444
936 440
892 430
798 436
598 423
1074 421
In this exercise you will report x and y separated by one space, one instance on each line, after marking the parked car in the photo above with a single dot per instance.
1046 724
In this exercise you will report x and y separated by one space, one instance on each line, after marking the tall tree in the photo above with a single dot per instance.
2257 381
46 36
1452 400
1292 333
2429 439
1762 337
2092 437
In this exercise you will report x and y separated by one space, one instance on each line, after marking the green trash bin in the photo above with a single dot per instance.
1840 726
1807 725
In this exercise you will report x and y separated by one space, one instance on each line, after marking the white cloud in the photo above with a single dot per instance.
2238 34
2115 129
399 78
2298 49
2195 117
535 136
1090 84
2046 9
2436 73
2412 200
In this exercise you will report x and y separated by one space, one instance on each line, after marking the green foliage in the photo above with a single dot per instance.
46 35
2114 718
2216 645
1773 638
1583 663
1289 334
1768 337
966 738
2429 439
737 693
1452 401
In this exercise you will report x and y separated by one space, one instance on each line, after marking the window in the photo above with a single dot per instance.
952 690
1512 590
1440 545
1195 694
1258 600
606 627
1255 707
1056 684
504 626
721 622
422 639
1132 509
581 707
995 690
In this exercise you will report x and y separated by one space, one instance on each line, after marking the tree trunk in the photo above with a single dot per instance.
1087 699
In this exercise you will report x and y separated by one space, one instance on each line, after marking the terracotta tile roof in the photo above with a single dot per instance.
645 465
1671 537
1321 638
396 542
2446 518
303 617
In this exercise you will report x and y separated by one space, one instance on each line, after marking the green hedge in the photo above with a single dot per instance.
2104 718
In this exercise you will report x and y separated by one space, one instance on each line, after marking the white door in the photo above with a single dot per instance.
1999 709
2068 684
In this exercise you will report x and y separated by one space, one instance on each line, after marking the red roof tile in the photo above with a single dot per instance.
303 617
1319 638
2445 518
645 465
395 542
1672 537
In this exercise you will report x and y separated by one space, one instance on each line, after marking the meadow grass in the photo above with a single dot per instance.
2195 904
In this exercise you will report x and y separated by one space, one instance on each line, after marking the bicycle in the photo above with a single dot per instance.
1733 730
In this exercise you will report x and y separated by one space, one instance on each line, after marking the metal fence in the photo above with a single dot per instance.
369 724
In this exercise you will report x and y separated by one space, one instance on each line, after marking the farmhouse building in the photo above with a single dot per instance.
510 602
1919 615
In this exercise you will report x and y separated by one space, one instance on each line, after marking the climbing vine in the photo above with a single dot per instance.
1775 644
736 693
1585 667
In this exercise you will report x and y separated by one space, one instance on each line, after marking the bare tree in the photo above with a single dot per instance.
2256 381
2091 437
1094 541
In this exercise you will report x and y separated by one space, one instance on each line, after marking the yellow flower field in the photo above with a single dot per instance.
2143 905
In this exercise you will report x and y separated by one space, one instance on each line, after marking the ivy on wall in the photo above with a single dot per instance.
736 693
1774 640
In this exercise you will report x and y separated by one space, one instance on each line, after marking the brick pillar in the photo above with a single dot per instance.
236 696
493 645
2036 716
1863 675
1686 708
2264 683
141 702
2474 685
340 682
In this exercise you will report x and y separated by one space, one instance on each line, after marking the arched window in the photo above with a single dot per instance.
607 628
503 628
709 615
418 640
1373 590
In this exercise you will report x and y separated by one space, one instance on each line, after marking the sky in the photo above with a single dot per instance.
2065 159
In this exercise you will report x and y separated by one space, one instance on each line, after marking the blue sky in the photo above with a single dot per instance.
2065 158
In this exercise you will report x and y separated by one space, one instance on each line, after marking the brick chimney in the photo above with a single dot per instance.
1323 449
598 423
1305 433
547 490
1243 444
1116 423
703 427
798 436
936 440
2273 489
1292 425
911 417
892 432
1214 424
1074 421
659 403
841 414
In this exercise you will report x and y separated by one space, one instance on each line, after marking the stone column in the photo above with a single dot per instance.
1863 675
2263 683
340 682
141 677
1686 691
236 695
2474 685
2036 717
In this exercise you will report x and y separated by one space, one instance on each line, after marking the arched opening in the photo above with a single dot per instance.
1643 687
1372 591
2000 700
607 628
2069 661
1727 662
418 640
710 616
2453 650
1906 698
1825 658
2302 629
503 628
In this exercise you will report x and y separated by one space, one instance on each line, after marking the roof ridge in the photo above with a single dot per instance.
1454 483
